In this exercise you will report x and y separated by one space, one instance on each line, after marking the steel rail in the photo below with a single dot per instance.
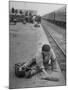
57 43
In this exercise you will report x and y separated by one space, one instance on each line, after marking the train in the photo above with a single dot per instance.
57 17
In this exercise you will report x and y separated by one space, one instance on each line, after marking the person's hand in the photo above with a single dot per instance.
45 72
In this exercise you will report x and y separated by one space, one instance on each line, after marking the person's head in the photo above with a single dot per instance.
45 49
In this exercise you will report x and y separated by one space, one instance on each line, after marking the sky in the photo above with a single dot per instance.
42 8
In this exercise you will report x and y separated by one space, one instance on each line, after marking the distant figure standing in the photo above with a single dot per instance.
38 19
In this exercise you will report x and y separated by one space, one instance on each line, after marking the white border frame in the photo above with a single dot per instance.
4 43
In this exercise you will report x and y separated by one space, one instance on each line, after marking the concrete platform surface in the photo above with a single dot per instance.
25 42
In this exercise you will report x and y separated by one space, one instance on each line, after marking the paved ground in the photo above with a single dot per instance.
25 41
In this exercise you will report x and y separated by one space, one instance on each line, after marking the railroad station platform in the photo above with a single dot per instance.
27 42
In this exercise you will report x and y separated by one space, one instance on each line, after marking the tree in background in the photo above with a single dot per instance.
20 12
16 11
13 10
26 13
30 14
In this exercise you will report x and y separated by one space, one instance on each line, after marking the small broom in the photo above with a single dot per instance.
51 79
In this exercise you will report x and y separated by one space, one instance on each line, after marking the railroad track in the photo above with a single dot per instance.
60 55
57 44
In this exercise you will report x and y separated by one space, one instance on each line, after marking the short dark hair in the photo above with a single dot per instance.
46 48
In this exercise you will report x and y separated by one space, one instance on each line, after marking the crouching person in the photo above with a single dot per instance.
41 61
